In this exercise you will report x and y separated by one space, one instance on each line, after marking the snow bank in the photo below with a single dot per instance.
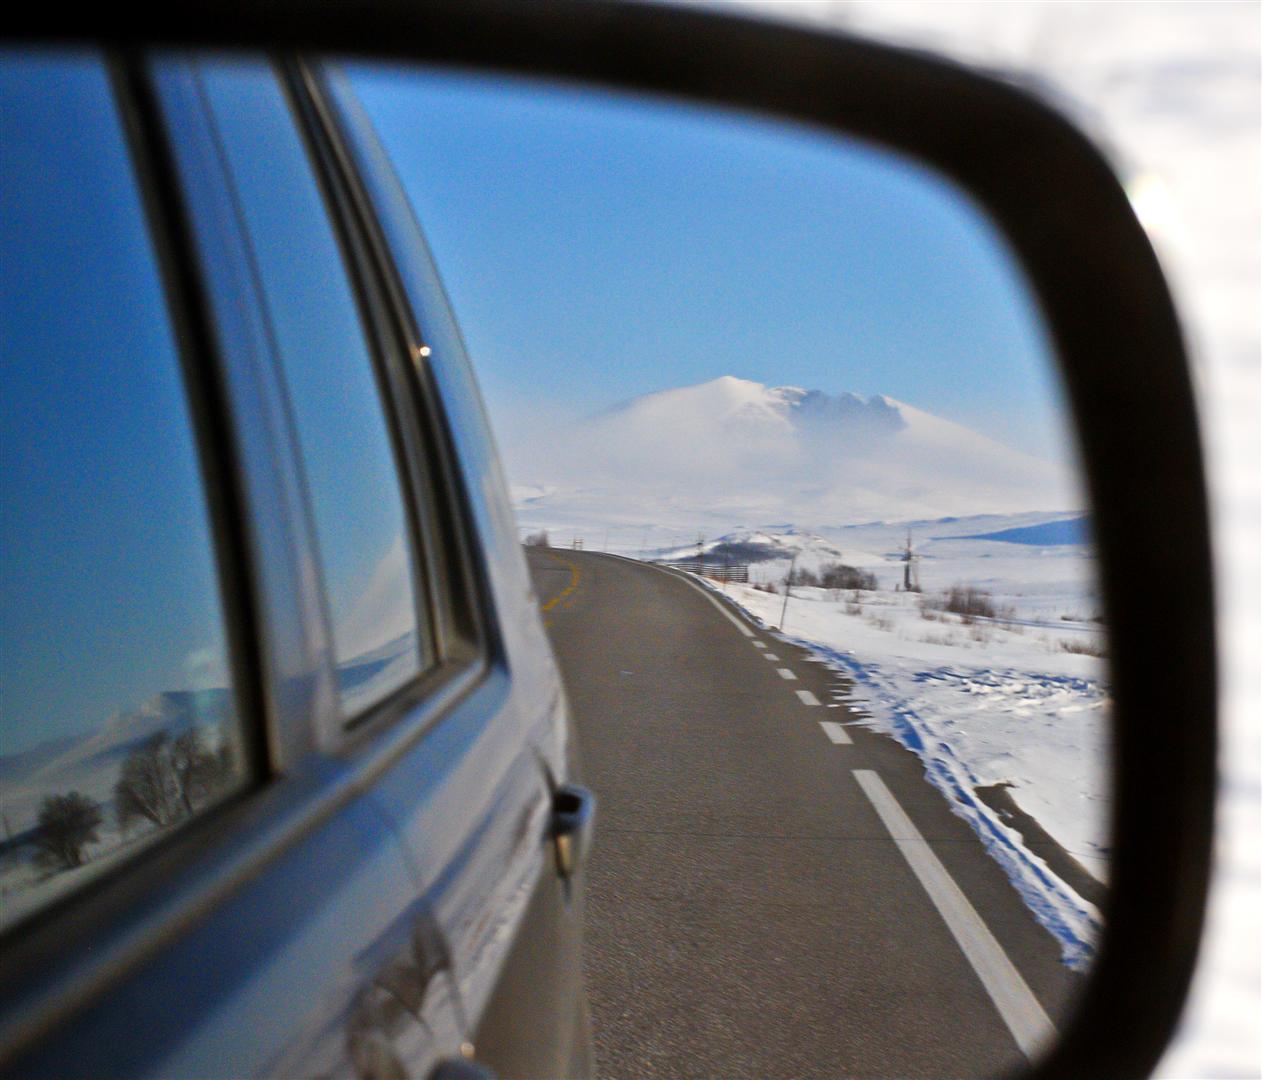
980 704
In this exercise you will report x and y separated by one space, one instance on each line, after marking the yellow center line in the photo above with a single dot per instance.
569 589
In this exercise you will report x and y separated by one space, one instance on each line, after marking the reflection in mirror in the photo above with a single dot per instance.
796 384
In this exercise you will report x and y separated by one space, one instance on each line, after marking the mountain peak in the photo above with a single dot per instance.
740 450
731 397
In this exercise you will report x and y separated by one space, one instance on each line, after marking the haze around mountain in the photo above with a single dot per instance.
733 452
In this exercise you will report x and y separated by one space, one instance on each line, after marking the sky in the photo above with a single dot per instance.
598 247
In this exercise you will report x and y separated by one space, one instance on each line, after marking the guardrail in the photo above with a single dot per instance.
718 570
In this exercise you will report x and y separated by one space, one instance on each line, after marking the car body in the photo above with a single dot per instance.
369 884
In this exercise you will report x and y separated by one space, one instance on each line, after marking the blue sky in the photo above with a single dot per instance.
598 247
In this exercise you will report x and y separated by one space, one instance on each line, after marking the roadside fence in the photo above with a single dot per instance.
716 569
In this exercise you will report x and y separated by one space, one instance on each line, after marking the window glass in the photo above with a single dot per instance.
118 720
354 488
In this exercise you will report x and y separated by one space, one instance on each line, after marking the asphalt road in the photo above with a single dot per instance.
773 892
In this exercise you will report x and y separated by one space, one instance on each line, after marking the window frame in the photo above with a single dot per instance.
450 597
371 322
450 578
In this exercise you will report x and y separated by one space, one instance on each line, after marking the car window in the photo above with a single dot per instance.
354 488
118 719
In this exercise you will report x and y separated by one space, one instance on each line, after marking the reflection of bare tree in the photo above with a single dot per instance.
147 787
199 771
162 781
67 824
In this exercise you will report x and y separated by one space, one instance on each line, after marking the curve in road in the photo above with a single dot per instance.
774 889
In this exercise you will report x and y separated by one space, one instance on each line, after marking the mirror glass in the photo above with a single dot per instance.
800 500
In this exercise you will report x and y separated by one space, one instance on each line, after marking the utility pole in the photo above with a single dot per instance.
788 585
911 579
644 545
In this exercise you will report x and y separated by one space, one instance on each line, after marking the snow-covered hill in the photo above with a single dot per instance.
733 452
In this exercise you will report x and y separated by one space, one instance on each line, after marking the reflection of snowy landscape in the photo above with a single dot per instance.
371 675
73 806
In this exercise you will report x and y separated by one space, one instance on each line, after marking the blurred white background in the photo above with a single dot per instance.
1171 92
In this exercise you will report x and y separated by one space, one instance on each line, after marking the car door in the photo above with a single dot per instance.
498 826
469 746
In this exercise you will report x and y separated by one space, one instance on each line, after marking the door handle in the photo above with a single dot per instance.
573 814
458 1068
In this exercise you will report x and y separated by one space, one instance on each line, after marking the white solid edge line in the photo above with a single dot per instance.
806 697
1020 1009
726 614
785 673
836 733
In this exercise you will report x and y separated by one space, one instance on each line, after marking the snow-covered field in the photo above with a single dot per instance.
1019 700
1044 571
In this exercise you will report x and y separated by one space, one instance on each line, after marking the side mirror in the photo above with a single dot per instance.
1107 311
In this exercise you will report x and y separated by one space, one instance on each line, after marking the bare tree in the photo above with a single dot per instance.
539 539
838 576
199 771
803 576
67 824
148 787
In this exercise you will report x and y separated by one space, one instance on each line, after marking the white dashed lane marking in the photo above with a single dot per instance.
836 732
807 697
722 608
770 656
760 644
785 673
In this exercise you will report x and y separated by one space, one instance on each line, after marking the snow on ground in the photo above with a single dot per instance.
1018 698
981 704
1049 584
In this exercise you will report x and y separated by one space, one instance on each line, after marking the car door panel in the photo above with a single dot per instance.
389 891
330 915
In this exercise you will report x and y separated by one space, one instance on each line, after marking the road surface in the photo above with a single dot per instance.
774 891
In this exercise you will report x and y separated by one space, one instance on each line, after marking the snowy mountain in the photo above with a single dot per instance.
735 452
